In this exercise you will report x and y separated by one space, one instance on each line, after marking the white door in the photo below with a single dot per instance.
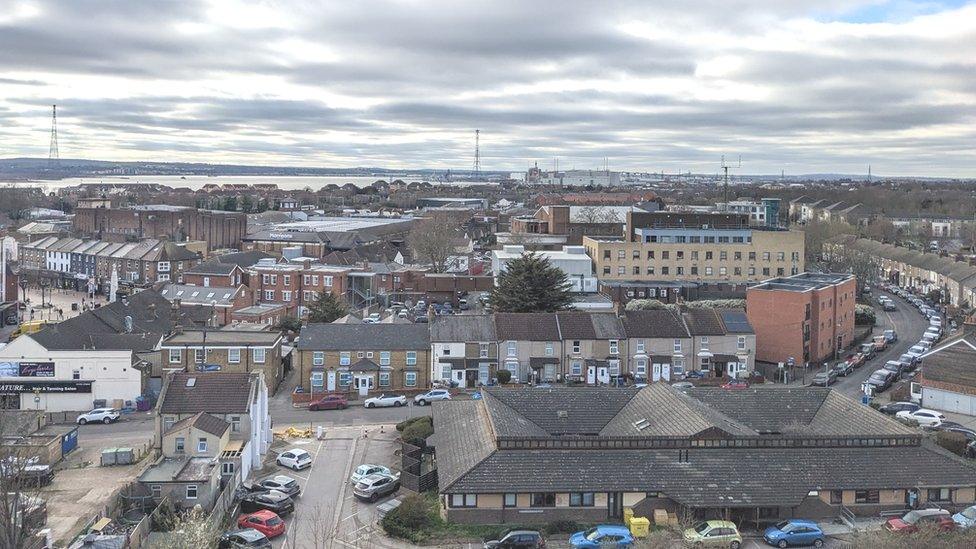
666 372
364 384
458 376
591 375
656 372
331 381
603 374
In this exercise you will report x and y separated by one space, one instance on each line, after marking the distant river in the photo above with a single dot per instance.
315 182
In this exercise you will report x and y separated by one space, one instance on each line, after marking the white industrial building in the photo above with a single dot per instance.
572 260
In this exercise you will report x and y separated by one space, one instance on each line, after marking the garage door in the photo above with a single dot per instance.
938 399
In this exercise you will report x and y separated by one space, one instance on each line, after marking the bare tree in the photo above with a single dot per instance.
21 475
434 240
188 528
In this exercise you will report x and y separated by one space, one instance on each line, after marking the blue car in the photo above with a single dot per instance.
965 518
793 532
604 535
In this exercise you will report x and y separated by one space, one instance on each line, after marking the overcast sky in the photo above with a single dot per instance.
650 85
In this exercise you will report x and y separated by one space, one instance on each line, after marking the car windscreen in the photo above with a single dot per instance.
702 528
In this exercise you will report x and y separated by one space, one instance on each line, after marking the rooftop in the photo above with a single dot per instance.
194 469
223 337
803 282
212 392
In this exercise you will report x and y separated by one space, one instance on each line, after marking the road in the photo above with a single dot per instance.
907 322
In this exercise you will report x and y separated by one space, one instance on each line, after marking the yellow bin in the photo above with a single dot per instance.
640 526
628 515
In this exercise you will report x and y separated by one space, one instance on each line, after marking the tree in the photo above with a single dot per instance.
187 528
246 203
326 308
530 284
289 324
20 498
434 240
229 204
817 233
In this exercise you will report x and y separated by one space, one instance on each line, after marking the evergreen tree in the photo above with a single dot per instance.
326 308
530 284
246 203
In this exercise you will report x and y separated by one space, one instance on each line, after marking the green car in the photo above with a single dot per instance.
714 533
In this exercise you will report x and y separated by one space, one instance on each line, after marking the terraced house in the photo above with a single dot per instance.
237 351
363 358
537 455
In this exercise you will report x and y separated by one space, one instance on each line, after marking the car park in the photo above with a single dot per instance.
264 521
921 416
893 408
794 532
431 396
604 535
911 521
367 469
275 501
714 533
295 458
282 483
248 538
517 539
385 401
373 487
99 415
329 402
965 518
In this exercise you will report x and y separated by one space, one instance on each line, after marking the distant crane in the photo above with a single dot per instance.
53 158
477 155
725 168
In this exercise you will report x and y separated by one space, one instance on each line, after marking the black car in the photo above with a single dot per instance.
517 539
843 368
893 408
281 483
248 537
968 433
881 380
272 501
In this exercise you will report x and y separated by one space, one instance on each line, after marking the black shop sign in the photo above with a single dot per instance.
19 387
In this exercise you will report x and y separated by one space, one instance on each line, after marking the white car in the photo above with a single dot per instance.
99 415
367 469
430 396
295 458
917 350
924 417
385 401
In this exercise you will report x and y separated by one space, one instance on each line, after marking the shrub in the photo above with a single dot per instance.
418 430
408 422
504 376
644 305
716 304
864 315
954 442
562 527
411 520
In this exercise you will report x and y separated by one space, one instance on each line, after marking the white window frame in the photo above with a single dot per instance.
175 356
703 343
202 445
482 350
199 356
345 358
410 379
234 355
317 379
384 358
512 348
640 346
318 358
677 345
235 424
411 358
259 355
192 488
614 347
740 343
269 295
576 368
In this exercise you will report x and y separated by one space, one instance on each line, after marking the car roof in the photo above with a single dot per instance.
720 524
611 528
297 451
263 513
250 534
374 477
804 522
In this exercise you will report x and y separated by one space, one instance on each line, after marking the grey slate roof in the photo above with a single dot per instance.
704 322
212 267
526 327
651 324
462 328
346 337
462 438
506 422
203 421
665 411
582 325
736 322
588 409
213 392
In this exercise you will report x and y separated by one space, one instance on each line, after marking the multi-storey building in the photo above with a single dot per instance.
226 351
696 247
464 349
806 318
177 223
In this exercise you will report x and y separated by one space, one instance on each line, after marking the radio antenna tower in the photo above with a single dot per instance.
725 168
52 155
477 154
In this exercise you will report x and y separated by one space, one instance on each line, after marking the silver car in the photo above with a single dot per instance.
373 487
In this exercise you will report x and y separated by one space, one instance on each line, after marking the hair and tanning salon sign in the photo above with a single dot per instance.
18 387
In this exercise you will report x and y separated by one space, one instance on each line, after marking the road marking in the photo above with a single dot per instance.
350 516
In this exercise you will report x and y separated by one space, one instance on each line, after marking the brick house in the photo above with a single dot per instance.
233 351
363 358
222 301
214 273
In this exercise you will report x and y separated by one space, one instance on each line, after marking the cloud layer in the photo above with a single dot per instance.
404 83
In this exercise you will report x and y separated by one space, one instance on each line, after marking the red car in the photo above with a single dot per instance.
909 524
736 384
266 522
329 402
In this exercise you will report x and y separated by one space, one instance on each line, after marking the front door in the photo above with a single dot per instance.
364 384
656 372
459 378
603 374
666 372
331 381
591 375
615 506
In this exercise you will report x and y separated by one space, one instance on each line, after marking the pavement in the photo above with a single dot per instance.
59 299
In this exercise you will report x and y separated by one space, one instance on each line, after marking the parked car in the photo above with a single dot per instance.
889 305
295 458
867 350
895 367
880 343
244 538
793 532
714 533
910 522
922 416
282 483
965 518
893 408
857 360
891 336
99 415
683 385
329 402
275 501
431 396
823 379
264 521
736 384
968 433
367 469
843 368
373 487
385 401
604 535
909 359
881 380
517 539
